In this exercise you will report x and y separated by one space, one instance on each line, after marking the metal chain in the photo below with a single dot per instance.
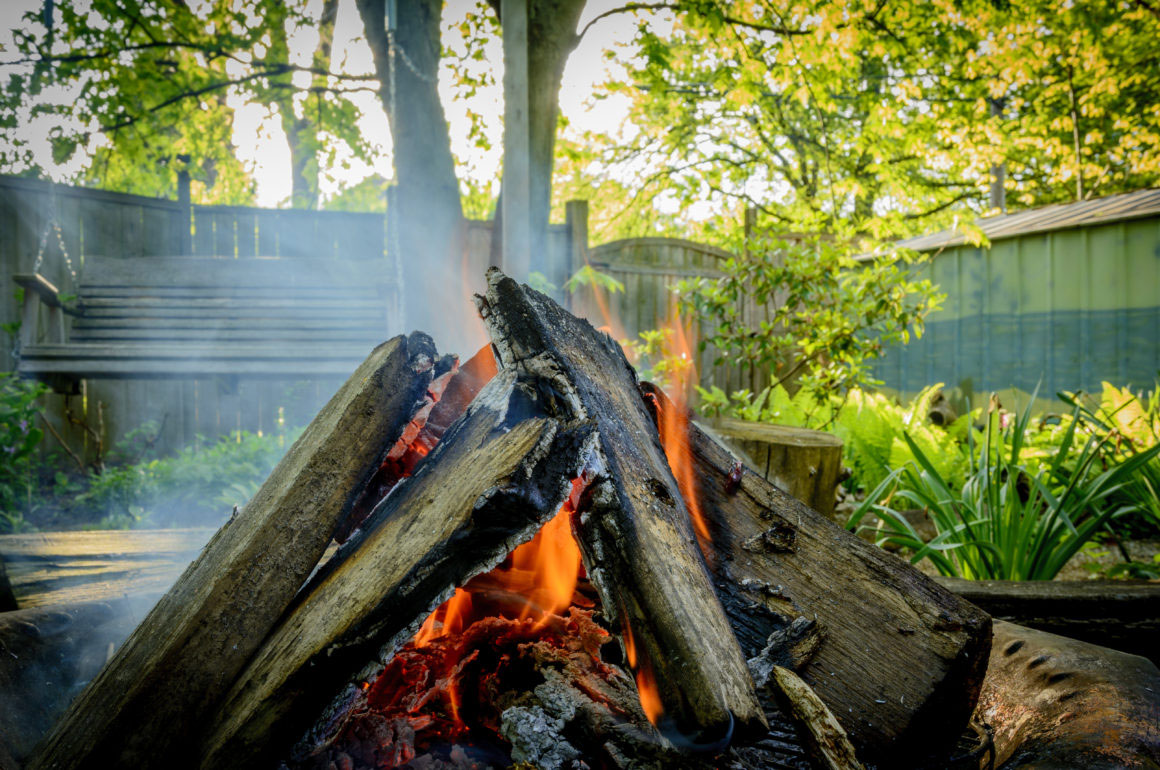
407 60
53 224
393 202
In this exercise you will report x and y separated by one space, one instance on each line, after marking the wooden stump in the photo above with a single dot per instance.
149 704
805 464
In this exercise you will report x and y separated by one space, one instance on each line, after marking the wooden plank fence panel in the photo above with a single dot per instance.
203 238
266 222
246 233
224 236
99 223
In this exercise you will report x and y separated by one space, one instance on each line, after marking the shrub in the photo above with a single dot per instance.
1010 521
197 486
808 312
19 438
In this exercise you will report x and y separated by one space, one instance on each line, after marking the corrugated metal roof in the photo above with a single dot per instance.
1133 205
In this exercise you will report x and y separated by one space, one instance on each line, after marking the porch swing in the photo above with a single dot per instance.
187 317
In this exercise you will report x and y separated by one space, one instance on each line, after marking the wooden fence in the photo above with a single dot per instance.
651 270
95 222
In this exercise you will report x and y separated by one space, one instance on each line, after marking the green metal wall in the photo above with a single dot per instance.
1068 309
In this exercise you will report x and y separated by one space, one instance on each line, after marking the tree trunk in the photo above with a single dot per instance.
551 39
435 296
161 688
302 132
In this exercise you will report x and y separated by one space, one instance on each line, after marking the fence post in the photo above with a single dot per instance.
185 217
576 217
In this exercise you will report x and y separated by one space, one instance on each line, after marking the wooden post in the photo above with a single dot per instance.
185 232
576 217
998 196
516 212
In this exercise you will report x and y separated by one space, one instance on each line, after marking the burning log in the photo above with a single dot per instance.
496 476
156 694
897 658
639 546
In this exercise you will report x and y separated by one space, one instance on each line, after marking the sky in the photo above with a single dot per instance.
262 145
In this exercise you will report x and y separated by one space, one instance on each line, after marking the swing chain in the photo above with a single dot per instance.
53 224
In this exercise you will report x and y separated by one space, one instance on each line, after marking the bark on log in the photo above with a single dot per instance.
900 660
1056 702
147 706
636 538
804 463
494 479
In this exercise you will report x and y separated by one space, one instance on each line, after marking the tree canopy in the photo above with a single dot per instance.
870 117
887 118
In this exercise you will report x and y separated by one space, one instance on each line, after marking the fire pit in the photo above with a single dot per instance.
542 561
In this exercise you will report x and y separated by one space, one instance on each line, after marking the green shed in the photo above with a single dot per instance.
1065 296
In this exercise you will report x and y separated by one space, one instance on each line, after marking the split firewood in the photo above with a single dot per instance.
636 537
496 476
900 660
155 696
824 739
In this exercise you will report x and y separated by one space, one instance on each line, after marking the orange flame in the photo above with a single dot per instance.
546 568
673 425
646 681
543 571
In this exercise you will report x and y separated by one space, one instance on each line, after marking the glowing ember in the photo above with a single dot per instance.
536 581
443 693
446 399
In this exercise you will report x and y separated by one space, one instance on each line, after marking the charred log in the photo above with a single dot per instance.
1058 702
494 479
161 687
900 659
637 540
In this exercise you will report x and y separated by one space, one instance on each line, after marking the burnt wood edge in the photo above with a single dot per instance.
508 515
932 725
159 689
637 537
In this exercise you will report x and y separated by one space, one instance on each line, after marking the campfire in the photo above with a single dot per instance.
536 560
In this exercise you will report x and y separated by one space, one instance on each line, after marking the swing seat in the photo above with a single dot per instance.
188 317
